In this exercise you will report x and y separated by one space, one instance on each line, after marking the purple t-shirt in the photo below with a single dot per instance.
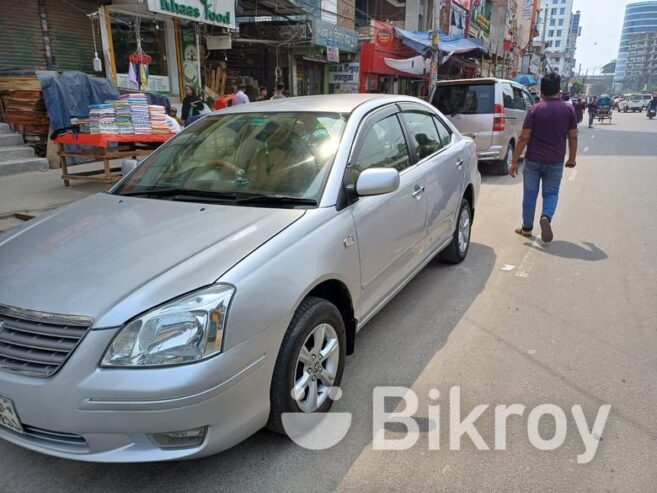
550 121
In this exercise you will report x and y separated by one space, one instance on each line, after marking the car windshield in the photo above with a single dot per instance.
467 99
247 155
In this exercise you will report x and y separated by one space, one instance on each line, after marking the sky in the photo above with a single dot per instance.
602 23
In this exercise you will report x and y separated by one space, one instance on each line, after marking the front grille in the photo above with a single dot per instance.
36 343
54 437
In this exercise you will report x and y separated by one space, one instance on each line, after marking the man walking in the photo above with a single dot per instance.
240 95
278 93
593 110
547 126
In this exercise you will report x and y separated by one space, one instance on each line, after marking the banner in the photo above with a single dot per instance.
458 20
332 51
190 63
343 78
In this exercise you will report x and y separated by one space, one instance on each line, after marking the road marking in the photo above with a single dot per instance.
593 136
527 262
586 149
573 175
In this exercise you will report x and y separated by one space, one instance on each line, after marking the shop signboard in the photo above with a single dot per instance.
343 78
345 39
527 9
332 51
458 20
480 15
215 12
190 63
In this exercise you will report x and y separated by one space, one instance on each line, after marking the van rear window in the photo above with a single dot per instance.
475 99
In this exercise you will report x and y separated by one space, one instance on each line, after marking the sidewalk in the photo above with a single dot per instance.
34 193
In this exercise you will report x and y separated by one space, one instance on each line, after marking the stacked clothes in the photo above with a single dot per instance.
139 113
102 119
158 118
123 117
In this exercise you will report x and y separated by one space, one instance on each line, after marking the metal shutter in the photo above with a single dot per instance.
22 40
70 34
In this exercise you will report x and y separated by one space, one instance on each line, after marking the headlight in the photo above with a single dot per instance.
185 330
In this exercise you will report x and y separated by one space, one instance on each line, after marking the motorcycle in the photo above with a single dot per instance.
652 112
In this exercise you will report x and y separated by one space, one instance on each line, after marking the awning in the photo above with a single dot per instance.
421 42
417 65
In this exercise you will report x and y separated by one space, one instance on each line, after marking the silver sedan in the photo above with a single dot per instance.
221 283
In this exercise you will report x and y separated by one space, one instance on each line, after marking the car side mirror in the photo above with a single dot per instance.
377 181
128 165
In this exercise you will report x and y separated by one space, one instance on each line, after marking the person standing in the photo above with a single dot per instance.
593 110
192 105
547 127
240 95
278 93
579 110
263 94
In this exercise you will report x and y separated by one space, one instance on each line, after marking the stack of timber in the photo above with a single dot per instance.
23 106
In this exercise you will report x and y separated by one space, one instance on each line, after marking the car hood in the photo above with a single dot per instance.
111 257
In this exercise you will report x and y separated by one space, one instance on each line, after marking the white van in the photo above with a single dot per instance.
491 111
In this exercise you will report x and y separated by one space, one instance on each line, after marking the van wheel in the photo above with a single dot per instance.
502 167
457 250
310 362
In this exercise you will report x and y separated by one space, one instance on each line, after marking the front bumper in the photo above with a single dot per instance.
104 415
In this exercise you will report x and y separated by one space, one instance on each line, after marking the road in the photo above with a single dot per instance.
571 323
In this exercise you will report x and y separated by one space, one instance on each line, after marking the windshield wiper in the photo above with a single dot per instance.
182 193
274 199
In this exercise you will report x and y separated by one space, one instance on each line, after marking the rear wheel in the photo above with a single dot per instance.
502 167
310 362
457 250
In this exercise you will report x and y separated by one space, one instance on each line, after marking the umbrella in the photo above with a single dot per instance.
526 80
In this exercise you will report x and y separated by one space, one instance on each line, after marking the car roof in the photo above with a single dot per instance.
330 103
486 80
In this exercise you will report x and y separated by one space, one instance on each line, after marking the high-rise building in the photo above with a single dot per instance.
559 44
641 68
640 18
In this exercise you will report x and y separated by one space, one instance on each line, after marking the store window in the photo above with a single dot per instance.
383 147
424 135
124 39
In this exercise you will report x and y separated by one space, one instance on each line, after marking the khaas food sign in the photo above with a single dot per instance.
215 12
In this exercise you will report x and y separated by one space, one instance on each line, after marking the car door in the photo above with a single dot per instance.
390 228
519 110
441 162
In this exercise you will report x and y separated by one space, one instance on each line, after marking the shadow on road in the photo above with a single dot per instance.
565 249
393 349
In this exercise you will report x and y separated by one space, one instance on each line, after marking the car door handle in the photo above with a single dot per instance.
419 190
459 163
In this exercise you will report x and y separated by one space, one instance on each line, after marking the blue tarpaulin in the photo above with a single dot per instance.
69 94
421 42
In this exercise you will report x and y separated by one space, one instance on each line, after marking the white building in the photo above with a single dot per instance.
558 21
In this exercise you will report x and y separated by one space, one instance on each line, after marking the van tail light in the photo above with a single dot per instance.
499 119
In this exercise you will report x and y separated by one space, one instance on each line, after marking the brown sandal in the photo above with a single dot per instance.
524 233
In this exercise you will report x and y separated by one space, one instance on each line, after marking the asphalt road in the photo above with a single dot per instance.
571 323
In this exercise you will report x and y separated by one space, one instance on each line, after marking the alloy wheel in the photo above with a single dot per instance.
317 365
464 230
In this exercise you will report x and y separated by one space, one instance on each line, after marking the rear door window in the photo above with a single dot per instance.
528 100
424 135
466 99
518 99
507 96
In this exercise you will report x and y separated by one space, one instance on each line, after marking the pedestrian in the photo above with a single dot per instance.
240 95
192 104
593 110
173 113
547 127
278 93
263 94
579 110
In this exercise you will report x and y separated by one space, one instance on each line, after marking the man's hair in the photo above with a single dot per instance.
551 85
263 88
242 85
280 86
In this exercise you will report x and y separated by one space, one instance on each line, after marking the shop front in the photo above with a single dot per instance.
388 66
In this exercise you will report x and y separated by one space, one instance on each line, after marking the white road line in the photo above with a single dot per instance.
586 149
527 262
573 175
593 136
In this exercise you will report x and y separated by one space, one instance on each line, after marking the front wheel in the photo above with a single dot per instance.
457 250
310 362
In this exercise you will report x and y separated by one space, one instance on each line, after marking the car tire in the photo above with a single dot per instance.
289 370
502 166
458 249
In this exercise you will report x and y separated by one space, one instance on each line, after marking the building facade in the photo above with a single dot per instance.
640 18
555 33
641 66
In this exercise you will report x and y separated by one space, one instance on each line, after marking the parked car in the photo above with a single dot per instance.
633 103
646 101
490 110
222 282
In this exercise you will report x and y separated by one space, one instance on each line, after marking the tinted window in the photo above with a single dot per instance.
444 131
384 147
474 99
518 100
507 95
424 136
528 100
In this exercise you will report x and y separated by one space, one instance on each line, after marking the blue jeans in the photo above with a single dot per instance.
533 174
592 117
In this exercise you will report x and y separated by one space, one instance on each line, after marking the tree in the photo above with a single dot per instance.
577 88
610 68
